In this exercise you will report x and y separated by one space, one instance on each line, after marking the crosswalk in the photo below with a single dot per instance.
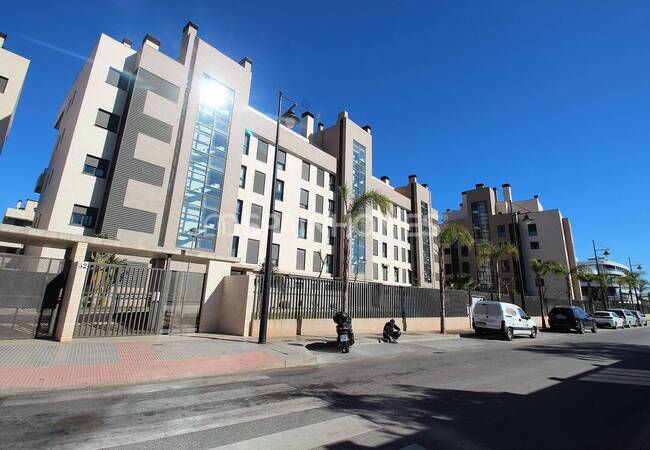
229 413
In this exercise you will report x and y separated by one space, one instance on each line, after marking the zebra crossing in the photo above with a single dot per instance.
230 413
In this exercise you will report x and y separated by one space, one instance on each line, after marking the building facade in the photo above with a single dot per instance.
165 151
616 292
538 233
13 69
22 215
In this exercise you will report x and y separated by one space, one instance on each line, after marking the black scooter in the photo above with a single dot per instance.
344 333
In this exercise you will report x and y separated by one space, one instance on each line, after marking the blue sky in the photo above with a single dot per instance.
550 96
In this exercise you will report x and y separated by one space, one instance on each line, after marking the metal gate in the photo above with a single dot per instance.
125 300
31 290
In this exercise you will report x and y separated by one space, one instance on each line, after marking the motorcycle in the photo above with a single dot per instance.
344 333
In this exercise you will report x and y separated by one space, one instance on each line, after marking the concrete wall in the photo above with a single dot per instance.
14 68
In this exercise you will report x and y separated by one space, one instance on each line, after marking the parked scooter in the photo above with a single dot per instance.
344 333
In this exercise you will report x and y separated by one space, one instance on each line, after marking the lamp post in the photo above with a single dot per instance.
515 229
605 254
636 295
289 119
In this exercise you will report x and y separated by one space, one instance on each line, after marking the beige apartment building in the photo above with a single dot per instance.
168 152
537 232
22 215
13 69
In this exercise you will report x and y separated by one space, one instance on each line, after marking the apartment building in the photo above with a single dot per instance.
616 292
13 69
22 215
537 232
163 151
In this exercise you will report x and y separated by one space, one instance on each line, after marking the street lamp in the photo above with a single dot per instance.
636 295
289 119
606 255
514 215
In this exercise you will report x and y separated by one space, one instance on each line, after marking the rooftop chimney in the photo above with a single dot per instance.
190 28
386 180
507 192
151 42
321 127
535 196
307 124
3 36
413 178
480 185
246 63
425 185
19 204
367 129
127 42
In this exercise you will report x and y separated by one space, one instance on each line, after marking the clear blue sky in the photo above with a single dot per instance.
550 96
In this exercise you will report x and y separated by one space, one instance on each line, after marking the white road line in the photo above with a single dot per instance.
29 399
309 436
176 427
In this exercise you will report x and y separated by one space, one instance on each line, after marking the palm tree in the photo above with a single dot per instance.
559 270
631 280
354 210
643 285
452 234
541 269
495 253
585 274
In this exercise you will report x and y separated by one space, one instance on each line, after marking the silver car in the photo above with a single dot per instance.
608 319
632 318
641 317
629 319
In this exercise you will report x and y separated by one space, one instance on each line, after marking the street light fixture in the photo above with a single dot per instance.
514 215
639 268
606 255
289 119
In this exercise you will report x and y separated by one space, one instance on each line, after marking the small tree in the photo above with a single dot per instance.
354 209
452 234
541 269
585 274
495 253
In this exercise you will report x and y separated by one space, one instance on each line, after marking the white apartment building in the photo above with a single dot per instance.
22 215
167 152
13 69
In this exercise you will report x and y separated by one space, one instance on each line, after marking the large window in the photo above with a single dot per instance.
258 182
277 222
282 160
302 228
318 232
96 166
256 216
204 184
252 251
300 259
319 203
83 216
262 151
532 229
320 177
304 199
306 168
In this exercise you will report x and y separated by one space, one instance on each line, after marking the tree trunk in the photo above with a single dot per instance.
442 291
590 297
346 262
541 300
568 289
496 273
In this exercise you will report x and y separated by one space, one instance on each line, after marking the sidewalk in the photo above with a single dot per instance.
45 365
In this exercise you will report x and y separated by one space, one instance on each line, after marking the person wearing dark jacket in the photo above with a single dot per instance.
391 332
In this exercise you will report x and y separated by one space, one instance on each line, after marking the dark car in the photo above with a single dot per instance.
571 318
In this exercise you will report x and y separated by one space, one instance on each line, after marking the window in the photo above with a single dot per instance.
384 228
532 229
384 272
282 160
234 249
375 225
256 216
332 183
396 274
107 120
3 84
238 210
403 255
318 232
242 177
319 204
320 177
465 267
534 245
302 228
262 151
300 259
501 231
408 256
279 190
258 182
317 262
305 170
394 211
329 263
404 234
330 208
404 276
375 271
252 251
330 235
247 143
396 253
402 217
96 166
395 232
375 247
83 216
304 199
117 78
384 250
464 251
277 221
275 255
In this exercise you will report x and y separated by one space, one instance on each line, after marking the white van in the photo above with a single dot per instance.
504 318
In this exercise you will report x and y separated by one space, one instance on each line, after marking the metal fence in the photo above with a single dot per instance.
124 300
31 290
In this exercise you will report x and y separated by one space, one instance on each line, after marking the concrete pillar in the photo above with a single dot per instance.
72 295
212 293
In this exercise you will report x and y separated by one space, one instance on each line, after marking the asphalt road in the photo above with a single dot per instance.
558 391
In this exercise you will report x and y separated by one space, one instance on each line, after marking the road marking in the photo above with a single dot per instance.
309 436
176 427
50 397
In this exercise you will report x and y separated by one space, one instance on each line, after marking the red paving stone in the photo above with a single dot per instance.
139 362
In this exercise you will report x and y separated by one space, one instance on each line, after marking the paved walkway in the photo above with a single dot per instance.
47 365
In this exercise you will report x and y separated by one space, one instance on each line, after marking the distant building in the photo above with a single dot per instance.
21 216
538 233
13 69
612 270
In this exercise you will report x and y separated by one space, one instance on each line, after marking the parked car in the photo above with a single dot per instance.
643 321
502 318
621 313
608 319
571 318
